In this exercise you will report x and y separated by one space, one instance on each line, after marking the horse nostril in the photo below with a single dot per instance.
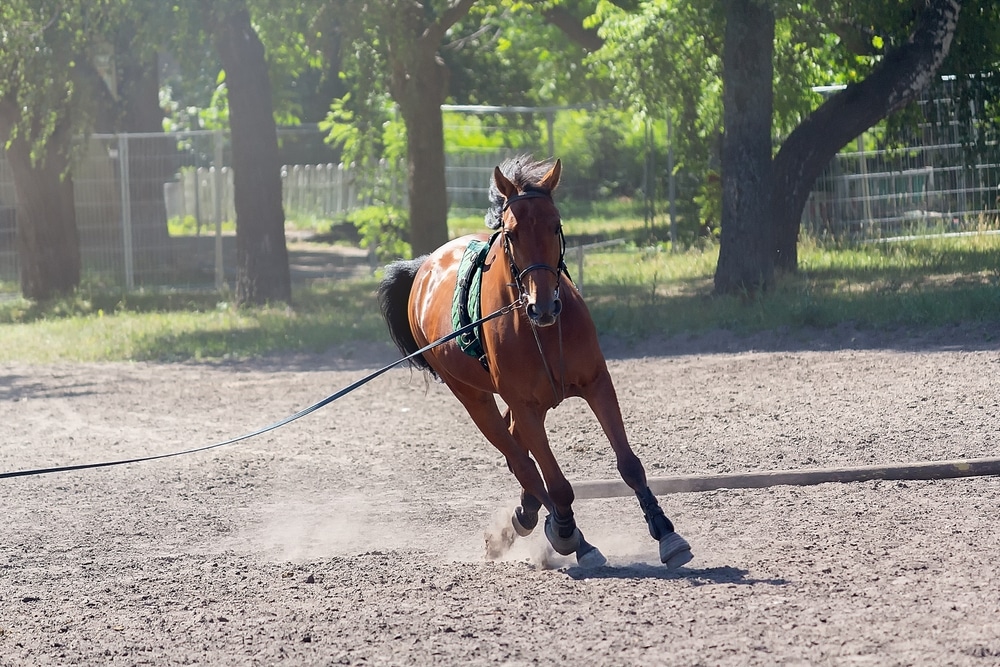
556 308
532 311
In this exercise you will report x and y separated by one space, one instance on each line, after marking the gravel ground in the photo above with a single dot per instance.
355 535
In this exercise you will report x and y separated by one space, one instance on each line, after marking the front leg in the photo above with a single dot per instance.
674 549
601 396
527 427
526 514
483 409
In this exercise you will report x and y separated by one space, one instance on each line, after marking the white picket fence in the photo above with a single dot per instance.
323 191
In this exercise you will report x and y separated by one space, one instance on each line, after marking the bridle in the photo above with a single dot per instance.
519 274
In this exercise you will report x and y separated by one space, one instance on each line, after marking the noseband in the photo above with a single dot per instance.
518 273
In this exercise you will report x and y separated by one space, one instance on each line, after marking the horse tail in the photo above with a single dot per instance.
393 300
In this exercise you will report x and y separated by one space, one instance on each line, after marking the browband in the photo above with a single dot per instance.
527 194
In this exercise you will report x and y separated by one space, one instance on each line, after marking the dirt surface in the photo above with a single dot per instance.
355 535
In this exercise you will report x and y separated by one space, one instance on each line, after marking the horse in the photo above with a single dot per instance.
542 351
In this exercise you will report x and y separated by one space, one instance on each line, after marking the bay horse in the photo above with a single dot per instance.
541 352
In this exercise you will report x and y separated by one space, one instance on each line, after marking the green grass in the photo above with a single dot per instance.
186 326
932 282
633 291
188 226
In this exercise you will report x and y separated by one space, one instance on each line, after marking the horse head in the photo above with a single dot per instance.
531 231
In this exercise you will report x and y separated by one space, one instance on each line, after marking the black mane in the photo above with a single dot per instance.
525 173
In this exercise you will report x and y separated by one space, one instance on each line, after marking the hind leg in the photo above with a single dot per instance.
674 549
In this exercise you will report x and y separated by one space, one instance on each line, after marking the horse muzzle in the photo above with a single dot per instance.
544 316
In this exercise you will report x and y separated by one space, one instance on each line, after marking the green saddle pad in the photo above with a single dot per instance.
465 308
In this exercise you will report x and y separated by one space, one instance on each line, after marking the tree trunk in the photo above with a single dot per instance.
262 273
420 96
901 76
745 250
48 245
419 85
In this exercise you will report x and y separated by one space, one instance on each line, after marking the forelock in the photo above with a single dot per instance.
525 173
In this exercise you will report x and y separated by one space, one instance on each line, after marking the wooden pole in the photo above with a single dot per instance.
612 488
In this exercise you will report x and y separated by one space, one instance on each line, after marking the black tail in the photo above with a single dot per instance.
393 300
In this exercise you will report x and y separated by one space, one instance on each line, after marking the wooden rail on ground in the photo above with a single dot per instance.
612 488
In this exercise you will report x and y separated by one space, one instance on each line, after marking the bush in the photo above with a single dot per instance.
383 229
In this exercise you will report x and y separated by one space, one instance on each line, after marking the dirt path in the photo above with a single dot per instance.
355 536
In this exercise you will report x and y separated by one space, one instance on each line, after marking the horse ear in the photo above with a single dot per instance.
506 188
551 179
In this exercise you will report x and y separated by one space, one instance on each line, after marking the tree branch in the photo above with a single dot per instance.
456 12
573 28
856 39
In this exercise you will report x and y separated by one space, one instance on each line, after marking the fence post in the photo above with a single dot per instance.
671 183
126 199
217 185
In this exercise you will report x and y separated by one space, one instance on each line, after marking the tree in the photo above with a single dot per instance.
811 47
745 249
901 74
48 245
262 255
402 40
41 93
130 103
54 92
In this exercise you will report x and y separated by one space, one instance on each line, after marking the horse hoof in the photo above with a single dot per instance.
564 546
589 556
674 551
519 527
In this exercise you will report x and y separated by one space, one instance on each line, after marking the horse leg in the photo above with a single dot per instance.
483 409
674 549
528 429
525 516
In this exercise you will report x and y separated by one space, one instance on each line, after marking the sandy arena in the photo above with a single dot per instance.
355 535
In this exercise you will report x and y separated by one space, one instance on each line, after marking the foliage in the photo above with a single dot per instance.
383 229
195 97
356 119
188 226
473 132
48 54
527 60
664 58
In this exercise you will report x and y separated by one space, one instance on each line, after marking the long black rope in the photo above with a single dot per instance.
278 424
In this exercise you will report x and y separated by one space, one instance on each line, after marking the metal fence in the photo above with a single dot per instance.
930 184
157 209
167 218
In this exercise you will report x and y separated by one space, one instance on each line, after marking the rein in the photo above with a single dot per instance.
278 424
